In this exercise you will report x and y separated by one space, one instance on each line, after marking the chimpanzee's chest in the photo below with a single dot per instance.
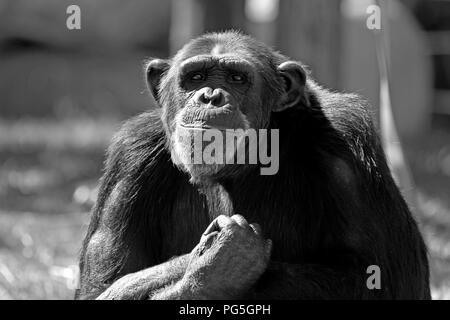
188 225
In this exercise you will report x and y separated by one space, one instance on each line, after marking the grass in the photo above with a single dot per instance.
48 174
48 177
39 254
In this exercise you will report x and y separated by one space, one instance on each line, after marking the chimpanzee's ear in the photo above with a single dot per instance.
294 77
155 69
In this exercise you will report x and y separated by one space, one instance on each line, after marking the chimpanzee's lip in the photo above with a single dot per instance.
225 118
203 126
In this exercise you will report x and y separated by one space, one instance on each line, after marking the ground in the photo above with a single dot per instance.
48 176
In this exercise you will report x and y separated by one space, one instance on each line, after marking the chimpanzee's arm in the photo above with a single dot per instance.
123 240
143 284
129 282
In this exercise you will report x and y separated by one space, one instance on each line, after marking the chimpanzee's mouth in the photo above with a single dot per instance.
219 119
202 126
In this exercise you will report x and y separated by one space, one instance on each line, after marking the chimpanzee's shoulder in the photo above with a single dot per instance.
146 125
349 112
140 140
146 129
339 102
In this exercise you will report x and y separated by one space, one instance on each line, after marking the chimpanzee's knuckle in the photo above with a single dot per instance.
240 218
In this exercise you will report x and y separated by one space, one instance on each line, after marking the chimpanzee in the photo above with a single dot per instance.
331 211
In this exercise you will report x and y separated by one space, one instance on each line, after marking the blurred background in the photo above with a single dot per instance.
64 92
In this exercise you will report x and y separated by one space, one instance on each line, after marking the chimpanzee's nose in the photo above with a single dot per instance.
215 98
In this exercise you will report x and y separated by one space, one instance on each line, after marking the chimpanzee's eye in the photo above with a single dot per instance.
238 78
197 76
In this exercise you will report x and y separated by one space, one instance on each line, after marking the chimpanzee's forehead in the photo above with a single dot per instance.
220 44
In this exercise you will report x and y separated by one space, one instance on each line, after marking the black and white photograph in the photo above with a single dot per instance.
232 150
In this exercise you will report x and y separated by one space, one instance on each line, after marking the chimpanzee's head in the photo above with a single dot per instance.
221 81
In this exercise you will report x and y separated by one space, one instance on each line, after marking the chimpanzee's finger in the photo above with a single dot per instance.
240 220
217 224
206 241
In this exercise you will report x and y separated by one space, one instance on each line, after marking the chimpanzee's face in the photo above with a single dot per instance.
216 85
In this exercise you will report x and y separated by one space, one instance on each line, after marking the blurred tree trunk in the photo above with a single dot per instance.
191 18
309 31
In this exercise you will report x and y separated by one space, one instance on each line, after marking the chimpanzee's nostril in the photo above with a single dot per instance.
203 95
203 99
207 96
216 98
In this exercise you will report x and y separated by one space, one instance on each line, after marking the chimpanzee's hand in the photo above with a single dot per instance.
229 259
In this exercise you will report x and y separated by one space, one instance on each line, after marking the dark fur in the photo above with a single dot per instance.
332 210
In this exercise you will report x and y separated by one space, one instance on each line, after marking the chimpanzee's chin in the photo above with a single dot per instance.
200 174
